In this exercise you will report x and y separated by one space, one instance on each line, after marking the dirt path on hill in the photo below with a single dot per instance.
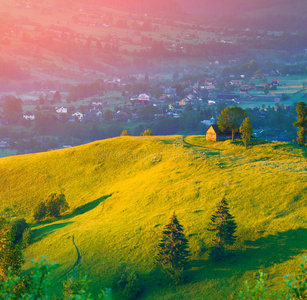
78 252
78 261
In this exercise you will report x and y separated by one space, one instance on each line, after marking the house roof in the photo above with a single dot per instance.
217 130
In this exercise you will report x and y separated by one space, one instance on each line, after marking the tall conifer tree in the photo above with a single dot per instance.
224 226
173 250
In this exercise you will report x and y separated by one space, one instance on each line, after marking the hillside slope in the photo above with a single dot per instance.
244 8
123 190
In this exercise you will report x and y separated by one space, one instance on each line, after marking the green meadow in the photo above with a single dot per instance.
122 191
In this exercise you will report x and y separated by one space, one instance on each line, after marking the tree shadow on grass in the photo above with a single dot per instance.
273 249
252 142
87 207
259 254
42 232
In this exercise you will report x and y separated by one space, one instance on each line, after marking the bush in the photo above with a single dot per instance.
126 282
26 237
73 288
39 212
125 133
18 227
147 132
55 205
296 287
36 285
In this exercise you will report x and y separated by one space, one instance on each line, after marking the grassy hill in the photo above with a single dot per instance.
122 191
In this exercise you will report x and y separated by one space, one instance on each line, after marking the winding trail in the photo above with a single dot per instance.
78 261
78 252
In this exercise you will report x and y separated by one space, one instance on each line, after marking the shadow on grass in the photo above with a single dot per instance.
253 142
262 253
212 153
42 232
168 142
78 211
274 249
87 207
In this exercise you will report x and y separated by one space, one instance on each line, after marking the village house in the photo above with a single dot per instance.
184 102
78 116
213 133
29 115
97 102
143 99
61 110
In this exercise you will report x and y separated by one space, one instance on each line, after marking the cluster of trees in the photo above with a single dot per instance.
230 119
53 207
248 69
173 248
275 117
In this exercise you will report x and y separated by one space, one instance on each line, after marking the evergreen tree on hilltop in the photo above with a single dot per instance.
224 226
173 250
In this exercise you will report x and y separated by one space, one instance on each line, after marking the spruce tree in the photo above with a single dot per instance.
173 250
224 226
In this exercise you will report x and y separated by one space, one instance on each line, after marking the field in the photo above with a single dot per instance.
7 152
122 191
292 86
